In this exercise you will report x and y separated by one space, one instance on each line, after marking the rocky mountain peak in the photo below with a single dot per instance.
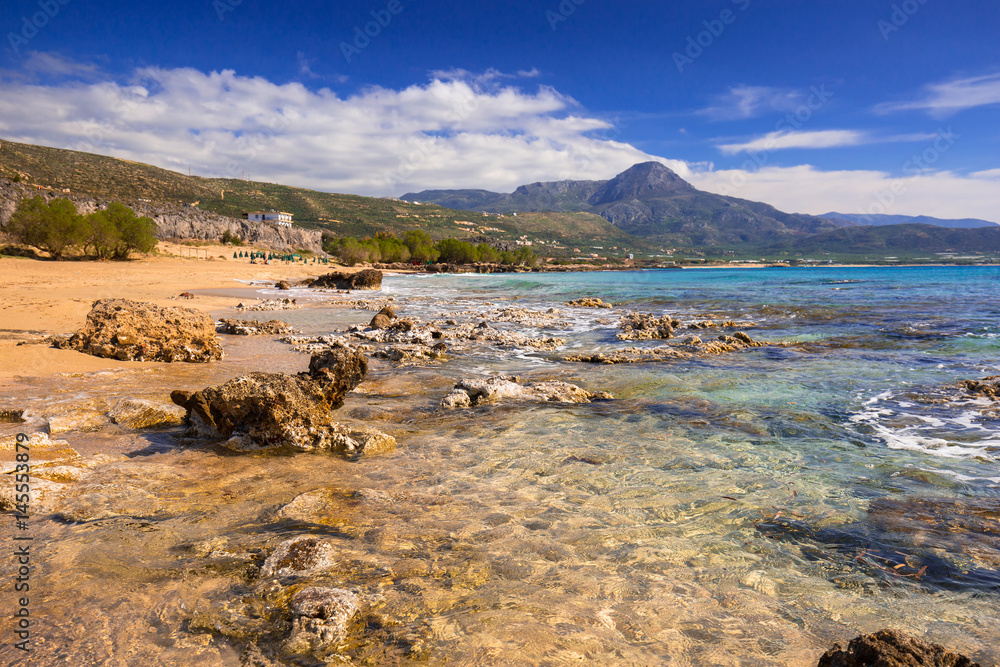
641 181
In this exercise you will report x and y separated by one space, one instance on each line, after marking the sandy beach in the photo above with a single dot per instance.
41 298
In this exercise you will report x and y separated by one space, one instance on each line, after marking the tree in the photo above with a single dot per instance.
135 234
102 235
52 227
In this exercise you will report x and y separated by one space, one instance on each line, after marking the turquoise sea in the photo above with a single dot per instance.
748 508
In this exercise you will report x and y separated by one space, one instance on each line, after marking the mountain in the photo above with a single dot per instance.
897 240
650 201
878 220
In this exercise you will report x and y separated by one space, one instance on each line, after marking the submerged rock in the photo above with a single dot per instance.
383 319
253 328
138 413
988 387
265 410
892 648
134 331
588 302
473 392
321 620
299 556
367 279
690 347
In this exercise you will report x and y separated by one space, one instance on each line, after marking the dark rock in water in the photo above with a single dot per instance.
11 416
134 331
988 387
262 410
383 319
282 284
365 279
892 648
299 556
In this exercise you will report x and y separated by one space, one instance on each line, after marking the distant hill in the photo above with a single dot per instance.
650 201
901 240
878 220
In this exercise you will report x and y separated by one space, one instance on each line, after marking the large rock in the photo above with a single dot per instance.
988 387
479 391
892 648
645 326
135 331
364 279
263 410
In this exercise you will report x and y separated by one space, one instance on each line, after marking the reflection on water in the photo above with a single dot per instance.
731 511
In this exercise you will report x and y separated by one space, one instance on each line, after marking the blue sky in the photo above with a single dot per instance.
850 105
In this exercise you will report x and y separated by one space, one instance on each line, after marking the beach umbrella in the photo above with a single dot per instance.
234 254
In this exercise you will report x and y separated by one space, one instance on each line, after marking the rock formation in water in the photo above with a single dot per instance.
479 391
270 410
366 279
253 327
135 331
892 648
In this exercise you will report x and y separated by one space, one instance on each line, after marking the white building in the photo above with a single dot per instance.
279 218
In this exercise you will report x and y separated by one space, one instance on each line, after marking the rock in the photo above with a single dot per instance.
588 302
988 387
86 417
299 556
366 279
269 304
138 413
186 295
134 331
645 326
282 284
691 347
892 648
266 410
475 392
11 416
380 321
321 620
253 328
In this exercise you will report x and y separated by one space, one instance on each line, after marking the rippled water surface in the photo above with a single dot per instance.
744 509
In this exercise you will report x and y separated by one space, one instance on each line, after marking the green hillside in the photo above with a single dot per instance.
341 214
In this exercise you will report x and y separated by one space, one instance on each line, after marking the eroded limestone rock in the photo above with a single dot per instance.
892 648
479 391
134 331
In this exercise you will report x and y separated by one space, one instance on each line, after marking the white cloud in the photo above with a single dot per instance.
805 189
458 130
989 173
742 102
783 139
942 99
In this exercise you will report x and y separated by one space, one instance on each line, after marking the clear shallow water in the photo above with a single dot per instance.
747 509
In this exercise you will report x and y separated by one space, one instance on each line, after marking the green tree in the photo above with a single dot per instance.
53 227
136 234
102 236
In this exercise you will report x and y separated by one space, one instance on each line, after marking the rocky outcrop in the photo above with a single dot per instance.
645 326
253 328
892 648
588 302
177 222
690 347
366 279
321 619
272 410
479 391
988 387
134 331
268 304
